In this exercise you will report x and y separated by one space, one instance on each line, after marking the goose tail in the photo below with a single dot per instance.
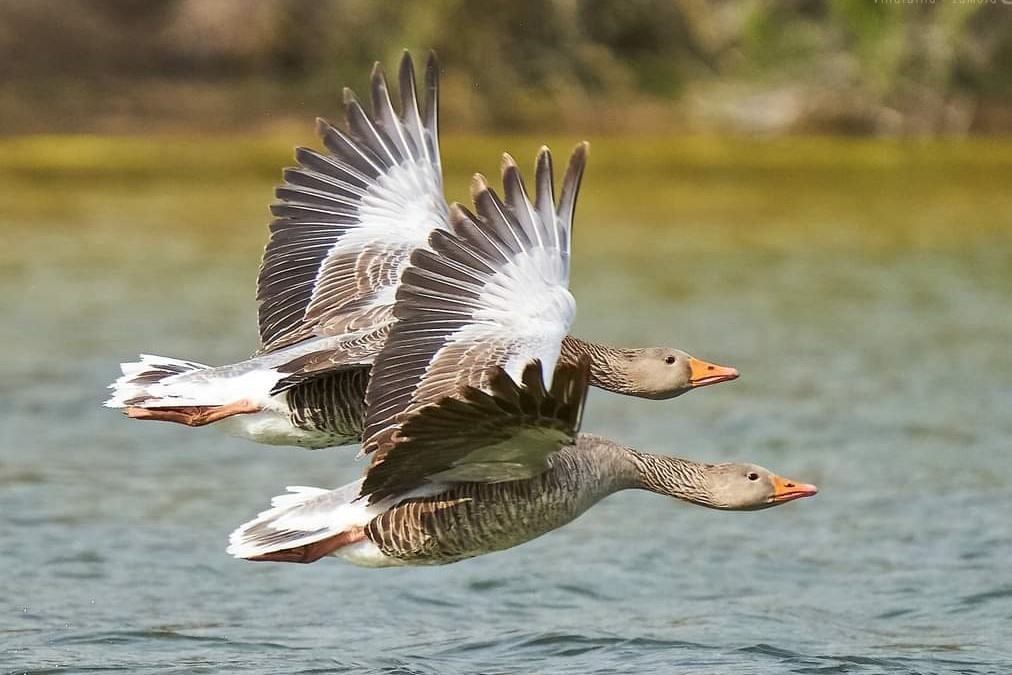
149 381
163 382
304 525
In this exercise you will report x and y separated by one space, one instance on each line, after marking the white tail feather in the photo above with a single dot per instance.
303 516
134 387
162 382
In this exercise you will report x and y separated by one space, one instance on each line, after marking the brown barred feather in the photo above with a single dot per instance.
504 433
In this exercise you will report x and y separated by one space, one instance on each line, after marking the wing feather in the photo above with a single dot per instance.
429 128
357 155
346 221
490 295
504 433
366 132
383 110
570 190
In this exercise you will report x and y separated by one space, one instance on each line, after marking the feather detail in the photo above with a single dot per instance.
346 222
505 432
492 293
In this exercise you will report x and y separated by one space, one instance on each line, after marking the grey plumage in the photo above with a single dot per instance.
472 519
331 404
607 363
450 521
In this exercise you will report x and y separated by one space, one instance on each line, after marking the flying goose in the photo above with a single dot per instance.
345 224
472 416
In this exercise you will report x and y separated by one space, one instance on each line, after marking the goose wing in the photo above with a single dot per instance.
476 309
347 221
503 432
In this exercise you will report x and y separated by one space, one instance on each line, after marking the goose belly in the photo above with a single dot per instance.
366 553
472 519
276 427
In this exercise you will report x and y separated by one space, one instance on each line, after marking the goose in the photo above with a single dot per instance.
345 224
473 417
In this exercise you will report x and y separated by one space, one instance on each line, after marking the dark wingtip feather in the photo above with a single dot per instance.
460 214
544 185
512 182
577 165
432 69
406 79
508 162
348 96
378 86
432 93
430 116
571 182
385 118
407 67
411 117
515 192
479 185
326 130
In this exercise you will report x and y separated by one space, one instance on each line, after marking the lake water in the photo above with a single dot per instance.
863 289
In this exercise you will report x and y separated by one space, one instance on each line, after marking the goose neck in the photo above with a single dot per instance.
609 366
674 477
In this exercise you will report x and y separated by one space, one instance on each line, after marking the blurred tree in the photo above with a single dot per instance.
650 37
855 66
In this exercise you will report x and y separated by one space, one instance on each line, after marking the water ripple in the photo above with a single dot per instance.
153 636
987 596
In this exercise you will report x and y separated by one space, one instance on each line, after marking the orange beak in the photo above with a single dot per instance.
704 373
785 490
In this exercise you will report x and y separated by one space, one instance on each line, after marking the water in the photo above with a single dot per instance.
866 300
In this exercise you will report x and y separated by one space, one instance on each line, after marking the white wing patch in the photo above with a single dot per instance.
397 214
527 304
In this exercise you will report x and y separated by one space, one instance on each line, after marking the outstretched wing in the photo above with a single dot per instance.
347 221
491 295
505 433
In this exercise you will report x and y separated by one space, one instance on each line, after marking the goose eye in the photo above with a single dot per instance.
669 360
752 475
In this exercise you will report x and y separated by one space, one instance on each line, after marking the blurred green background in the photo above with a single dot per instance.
809 66
876 123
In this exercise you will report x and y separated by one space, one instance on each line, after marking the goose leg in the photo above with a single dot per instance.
308 553
193 416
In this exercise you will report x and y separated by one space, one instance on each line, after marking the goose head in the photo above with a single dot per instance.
748 487
663 373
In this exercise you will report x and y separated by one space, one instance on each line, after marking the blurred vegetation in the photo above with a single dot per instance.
811 66
728 194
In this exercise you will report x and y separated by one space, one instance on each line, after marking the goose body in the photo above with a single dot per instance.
346 224
472 416
239 399
447 523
